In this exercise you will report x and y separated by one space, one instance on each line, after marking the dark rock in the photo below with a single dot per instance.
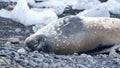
69 11
103 0
114 15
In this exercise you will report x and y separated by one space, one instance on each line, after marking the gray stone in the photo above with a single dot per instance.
18 30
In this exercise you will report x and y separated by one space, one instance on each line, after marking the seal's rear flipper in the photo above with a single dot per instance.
100 49
115 51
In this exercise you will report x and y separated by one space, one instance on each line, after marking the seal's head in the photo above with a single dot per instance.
38 42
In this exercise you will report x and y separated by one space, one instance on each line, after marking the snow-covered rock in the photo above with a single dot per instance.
85 4
98 11
22 13
113 6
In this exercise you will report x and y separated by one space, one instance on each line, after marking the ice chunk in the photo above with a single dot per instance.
85 4
98 11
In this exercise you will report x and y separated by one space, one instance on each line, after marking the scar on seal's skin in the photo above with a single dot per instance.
72 34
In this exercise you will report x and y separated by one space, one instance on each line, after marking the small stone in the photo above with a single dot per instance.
10 7
7 44
103 55
75 54
83 55
18 30
27 31
2 61
14 40
22 51
45 65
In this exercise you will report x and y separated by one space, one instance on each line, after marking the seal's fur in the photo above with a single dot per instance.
74 34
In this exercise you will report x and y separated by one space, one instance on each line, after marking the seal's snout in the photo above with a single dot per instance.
30 43
37 42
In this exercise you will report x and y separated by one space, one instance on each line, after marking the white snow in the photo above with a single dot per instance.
85 4
21 13
98 11
57 6
4 13
117 0
31 2
39 9
40 0
70 3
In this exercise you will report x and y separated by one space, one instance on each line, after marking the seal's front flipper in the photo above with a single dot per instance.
115 51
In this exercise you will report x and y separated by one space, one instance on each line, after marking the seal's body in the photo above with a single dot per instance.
74 34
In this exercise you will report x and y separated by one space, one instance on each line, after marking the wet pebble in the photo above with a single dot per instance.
22 51
17 30
44 60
